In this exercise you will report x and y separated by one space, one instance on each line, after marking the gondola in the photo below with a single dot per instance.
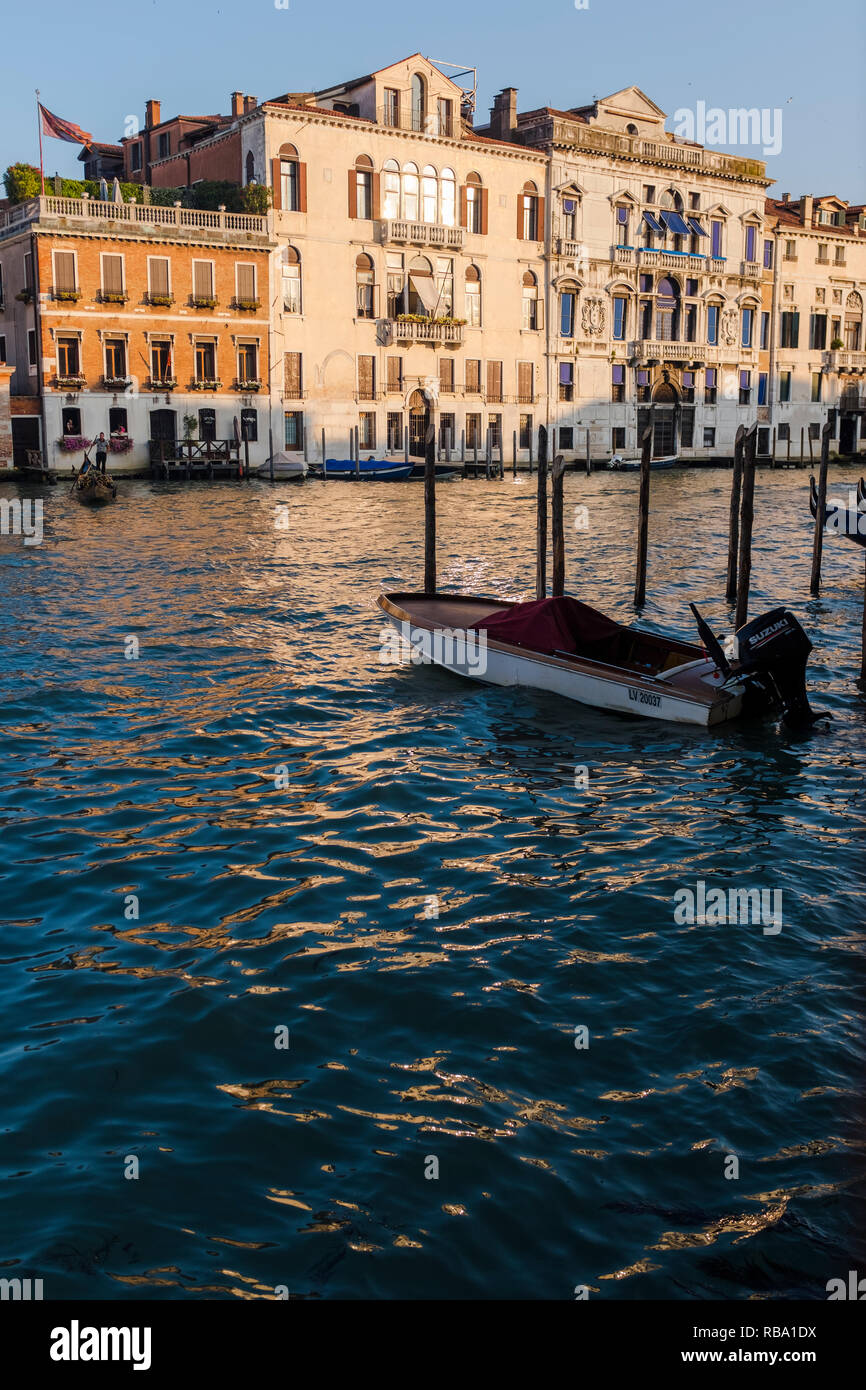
92 488
563 646
849 522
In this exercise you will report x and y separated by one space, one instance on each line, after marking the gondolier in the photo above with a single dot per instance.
101 451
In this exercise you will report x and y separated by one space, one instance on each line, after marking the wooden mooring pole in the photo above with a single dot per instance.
643 516
863 648
588 452
541 518
558 528
734 521
818 537
430 509
747 517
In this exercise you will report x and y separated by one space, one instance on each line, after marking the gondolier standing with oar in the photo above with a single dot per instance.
101 452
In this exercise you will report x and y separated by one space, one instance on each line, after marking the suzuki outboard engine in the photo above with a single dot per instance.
773 650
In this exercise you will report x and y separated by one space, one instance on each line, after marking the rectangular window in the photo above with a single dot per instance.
31 347
687 429
619 304
64 271
816 386
649 192
817 330
709 438
566 381
115 359
202 280
245 283
205 361
840 255
790 250
745 387
711 386
395 431
447 430
815 432
784 386
494 381
712 324
289 197
768 255
525 383
765 332
135 157
72 420
688 387
823 256
530 216
158 282
3 348
207 424
293 375
762 388
473 376
784 433
789 330
112 277
364 193
117 420
68 357
446 375
566 438
164 145
566 315
367 379
690 332
617 438
443 112
160 360
391 114
294 429
524 433
394 368
617 383
249 424
494 424
367 429
645 283
642 385
473 431
691 288
716 240
746 327
751 243
248 360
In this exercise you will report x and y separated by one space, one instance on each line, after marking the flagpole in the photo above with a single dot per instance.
41 168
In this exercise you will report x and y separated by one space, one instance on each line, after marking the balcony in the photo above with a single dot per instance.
115 383
69 296
160 301
751 270
70 383
246 306
59 211
247 386
650 350
852 404
167 383
576 251
206 384
445 127
844 360
426 331
422 234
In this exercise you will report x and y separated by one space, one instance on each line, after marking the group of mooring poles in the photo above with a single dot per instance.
818 539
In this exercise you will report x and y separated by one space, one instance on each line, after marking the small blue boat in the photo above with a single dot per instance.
381 470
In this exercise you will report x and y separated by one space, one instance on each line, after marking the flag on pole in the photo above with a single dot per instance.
60 129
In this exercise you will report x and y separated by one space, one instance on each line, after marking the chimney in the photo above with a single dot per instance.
503 115
151 114
785 197
237 103
250 103
807 203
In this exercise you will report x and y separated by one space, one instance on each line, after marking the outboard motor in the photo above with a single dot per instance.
774 649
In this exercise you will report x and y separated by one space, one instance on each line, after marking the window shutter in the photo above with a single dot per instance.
353 193
377 197
795 330
64 270
524 380
540 215
520 216
276 181
202 287
539 309
302 188
464 211
484 211
159 276
112 274
293 375
246 282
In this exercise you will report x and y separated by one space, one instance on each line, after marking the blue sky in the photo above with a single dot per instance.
97 62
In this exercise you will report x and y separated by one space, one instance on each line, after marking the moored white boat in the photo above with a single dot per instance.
285 465
630 463
569 649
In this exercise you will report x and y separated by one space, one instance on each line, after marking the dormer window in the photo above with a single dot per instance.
631 128
419 102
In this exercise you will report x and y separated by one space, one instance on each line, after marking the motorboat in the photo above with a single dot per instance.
564 646
630 463
379 470
284 465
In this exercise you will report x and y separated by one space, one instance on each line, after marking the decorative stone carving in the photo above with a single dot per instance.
593 317
729 327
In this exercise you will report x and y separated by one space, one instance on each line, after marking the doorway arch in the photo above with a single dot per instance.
665 415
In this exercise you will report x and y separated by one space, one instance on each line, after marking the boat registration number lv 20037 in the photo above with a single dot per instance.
643 697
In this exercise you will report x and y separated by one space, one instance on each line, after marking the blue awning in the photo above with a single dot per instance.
653 223
696 227
676 223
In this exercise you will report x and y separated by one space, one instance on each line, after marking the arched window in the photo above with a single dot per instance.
473 203
667 311
671 201
567 308
631 128
366 289
622 213
714 314
429 189
529 213
410 192
390 189
291 277
289 179
422 290
530 299
473 296
251 167
448 198
568 217
419 102
853 321
363 186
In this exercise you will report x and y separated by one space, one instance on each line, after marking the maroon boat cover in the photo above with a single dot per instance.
553 625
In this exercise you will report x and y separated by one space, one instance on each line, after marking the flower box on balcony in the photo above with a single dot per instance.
113 297
206 385
248 304
73 443
115 383
161 301
120 443
203 301
168 384
67 296
249 386
70 383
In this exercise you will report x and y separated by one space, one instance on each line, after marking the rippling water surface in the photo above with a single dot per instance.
290 814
